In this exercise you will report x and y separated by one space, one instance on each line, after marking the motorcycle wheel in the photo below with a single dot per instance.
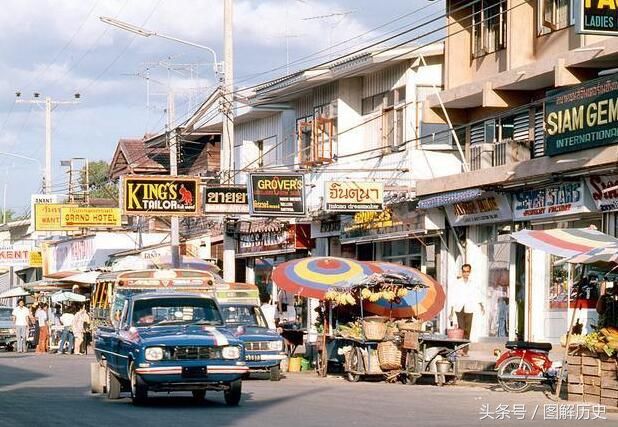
509 366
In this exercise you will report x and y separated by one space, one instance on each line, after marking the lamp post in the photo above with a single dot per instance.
172 134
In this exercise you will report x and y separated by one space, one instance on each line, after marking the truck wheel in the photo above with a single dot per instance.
199 395
139 389
232 395
96 385
275 373
112 385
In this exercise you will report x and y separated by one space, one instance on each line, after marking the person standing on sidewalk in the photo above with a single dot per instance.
81 317
464 298
41 317
67 335
20 319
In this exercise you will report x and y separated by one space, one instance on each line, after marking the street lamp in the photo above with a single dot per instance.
218 67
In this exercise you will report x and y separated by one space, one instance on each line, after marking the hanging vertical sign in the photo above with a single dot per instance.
596 17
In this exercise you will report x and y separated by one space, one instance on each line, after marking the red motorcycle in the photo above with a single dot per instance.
524 364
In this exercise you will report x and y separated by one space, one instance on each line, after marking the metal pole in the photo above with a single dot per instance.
173 147
48 136
4 205
227 142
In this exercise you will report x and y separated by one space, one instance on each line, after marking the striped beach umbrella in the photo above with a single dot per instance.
605 256
313 277
564 242
424 303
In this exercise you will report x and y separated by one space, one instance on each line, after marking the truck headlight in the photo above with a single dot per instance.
230 352
12 331
275 345
154 353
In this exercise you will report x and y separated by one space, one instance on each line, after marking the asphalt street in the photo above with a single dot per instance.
54 390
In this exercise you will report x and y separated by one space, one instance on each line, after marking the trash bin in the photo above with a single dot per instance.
294 364
305 364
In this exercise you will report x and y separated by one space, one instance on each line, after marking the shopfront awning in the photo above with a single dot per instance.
564 242
449 198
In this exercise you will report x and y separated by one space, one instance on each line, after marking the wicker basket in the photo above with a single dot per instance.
389 355
410 326
374 331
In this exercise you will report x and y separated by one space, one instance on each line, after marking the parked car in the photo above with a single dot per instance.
168 342
8 336
264 349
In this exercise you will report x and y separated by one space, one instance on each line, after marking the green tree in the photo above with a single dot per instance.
99 184
10 215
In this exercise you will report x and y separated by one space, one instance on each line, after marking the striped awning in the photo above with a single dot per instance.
564 242
449 198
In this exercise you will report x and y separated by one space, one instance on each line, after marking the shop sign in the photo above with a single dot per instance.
582 117
69 255
225 200
325 228
47 217
596 17
36 259
280 195
353 196
90 217
259 238
15 256
160 195
489 208
397 221
560 199
605 201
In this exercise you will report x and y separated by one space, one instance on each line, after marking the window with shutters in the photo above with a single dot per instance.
539 133
390 107
553 15
488 26
317 136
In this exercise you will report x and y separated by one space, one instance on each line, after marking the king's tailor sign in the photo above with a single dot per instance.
160 195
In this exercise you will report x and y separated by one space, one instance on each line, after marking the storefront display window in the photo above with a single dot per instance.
558 297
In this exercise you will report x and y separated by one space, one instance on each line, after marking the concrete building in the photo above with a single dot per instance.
511 67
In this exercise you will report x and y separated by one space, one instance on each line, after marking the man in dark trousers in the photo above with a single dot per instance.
464 298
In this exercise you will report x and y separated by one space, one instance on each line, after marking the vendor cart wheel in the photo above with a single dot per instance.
356 364
275 373
233 393
139 389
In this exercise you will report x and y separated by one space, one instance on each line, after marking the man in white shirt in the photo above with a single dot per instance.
464 298
20 319
67 334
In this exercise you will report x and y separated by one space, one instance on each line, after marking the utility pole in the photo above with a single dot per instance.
49 107
172 137
227 143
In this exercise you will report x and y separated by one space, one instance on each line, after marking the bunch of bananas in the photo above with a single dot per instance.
604 340
340 298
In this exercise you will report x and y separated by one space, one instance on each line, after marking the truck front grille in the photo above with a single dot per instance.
194 353
257 346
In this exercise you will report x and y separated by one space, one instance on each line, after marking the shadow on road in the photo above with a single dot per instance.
10 375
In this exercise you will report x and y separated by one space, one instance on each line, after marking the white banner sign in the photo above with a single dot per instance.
605 201
16 256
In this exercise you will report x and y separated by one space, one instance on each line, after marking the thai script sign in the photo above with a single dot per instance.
225 200
36 259
257 238
47 217
352 196
582 117
160 195
559 199
605 201
596 17
280 195
90 217
490 207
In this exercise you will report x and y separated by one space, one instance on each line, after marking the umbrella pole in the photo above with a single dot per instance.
324 354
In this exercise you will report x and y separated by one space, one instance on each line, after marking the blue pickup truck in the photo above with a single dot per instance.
264 348
168 342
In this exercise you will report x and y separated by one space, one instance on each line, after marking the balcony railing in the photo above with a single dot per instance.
506 151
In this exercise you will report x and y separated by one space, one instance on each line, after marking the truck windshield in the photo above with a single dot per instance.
247 315
5 313
168 311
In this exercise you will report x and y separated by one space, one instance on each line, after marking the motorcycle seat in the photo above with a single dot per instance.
528 345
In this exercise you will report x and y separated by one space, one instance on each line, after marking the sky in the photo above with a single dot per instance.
60 48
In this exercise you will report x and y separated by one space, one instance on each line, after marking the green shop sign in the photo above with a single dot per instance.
582 117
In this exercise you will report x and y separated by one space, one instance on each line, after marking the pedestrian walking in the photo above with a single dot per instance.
41 317
67 334
80 321
20 318
464 297
33 325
